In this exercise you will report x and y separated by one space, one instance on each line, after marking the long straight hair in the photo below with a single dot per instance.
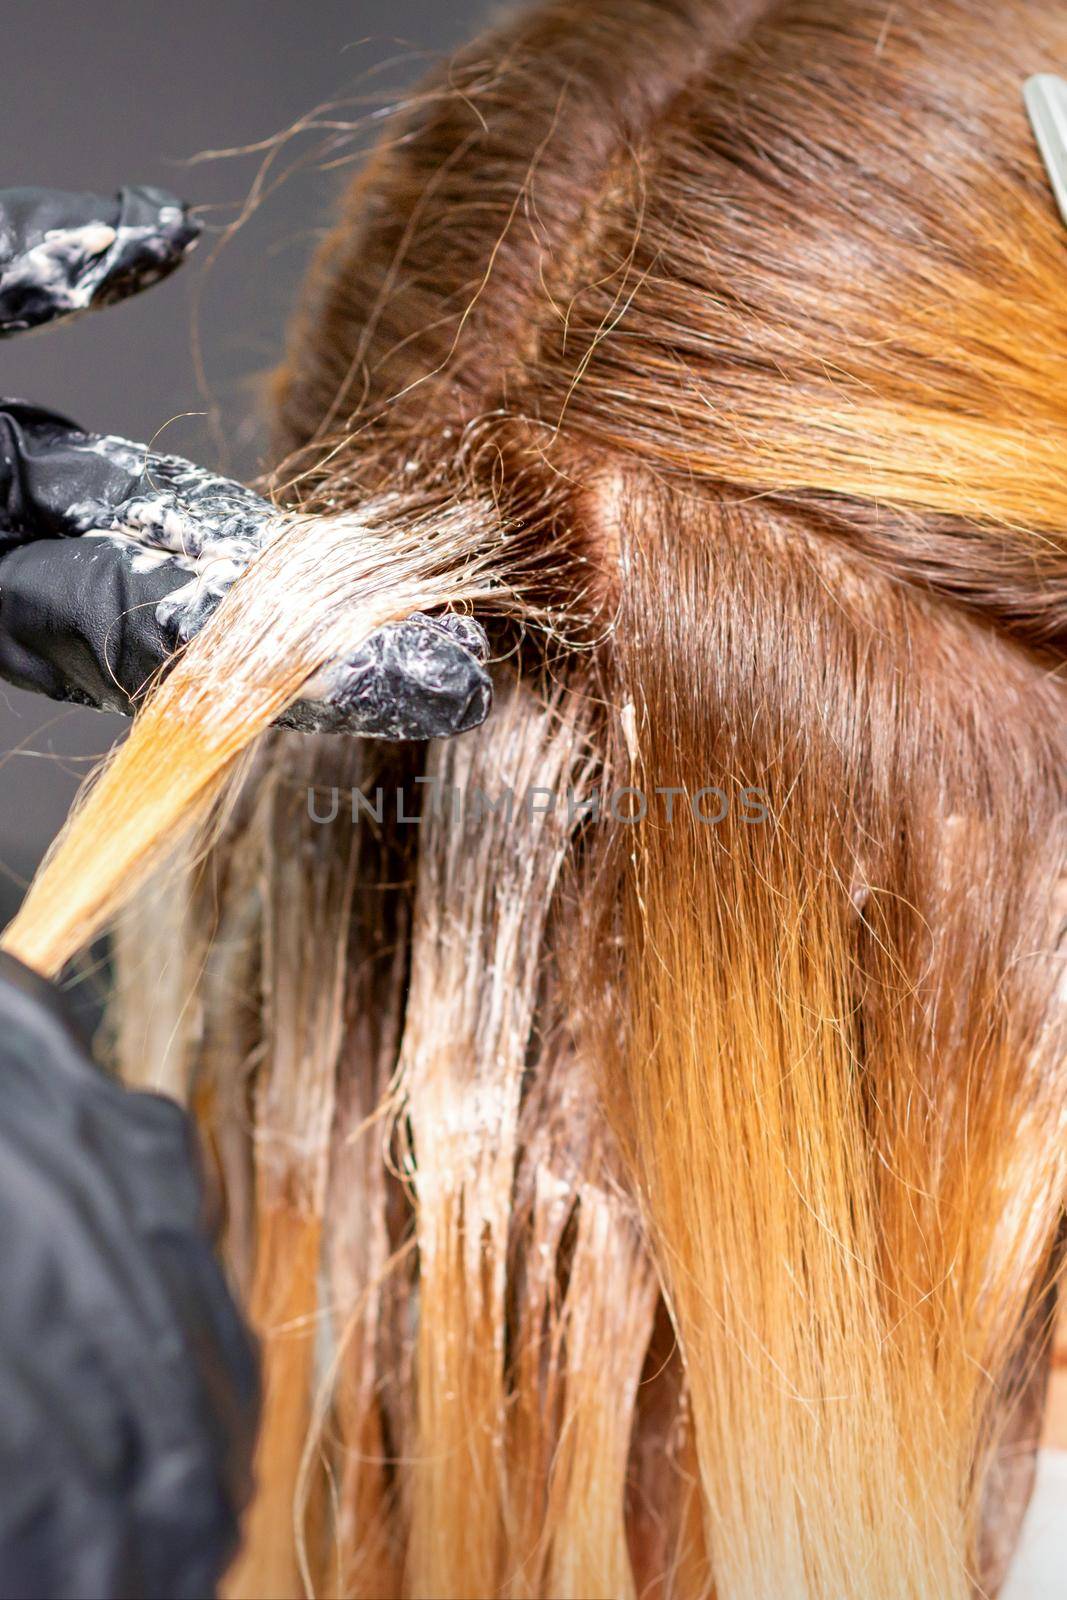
646 1172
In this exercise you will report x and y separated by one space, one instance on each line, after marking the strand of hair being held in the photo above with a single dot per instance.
321 586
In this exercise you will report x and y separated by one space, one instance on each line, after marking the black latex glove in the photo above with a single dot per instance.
112 555
65 253
128 1386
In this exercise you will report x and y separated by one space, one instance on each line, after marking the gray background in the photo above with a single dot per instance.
127 91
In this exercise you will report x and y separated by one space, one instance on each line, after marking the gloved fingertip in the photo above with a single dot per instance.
61 254
416 679
155 232
465 705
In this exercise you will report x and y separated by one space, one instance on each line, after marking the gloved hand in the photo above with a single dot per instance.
128 1385
112 555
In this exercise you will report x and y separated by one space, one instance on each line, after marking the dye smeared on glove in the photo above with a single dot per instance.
61 253
113 556
162 513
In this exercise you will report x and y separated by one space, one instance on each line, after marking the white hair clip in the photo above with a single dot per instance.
1046 103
